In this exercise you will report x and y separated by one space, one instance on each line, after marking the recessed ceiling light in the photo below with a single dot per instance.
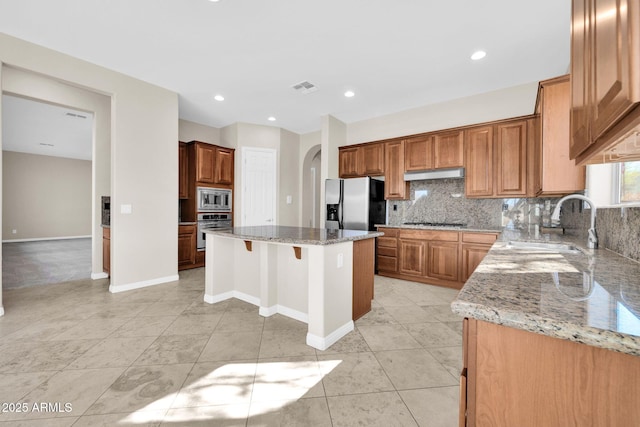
219 98
479 54
271 119
349 93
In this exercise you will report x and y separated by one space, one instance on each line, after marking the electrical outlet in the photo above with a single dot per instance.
505 207
14 231
340 260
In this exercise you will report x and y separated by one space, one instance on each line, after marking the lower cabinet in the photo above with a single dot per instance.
512 377
106 250
187 246
445 258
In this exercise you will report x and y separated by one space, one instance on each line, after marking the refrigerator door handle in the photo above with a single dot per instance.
340 223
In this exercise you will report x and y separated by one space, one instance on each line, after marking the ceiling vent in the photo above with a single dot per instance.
79 116
305 87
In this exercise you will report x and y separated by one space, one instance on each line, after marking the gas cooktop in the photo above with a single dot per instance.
437 224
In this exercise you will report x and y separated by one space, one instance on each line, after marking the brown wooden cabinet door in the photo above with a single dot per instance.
372 163
205 163
413 257
186 245
443 260
554 173
395 186
183 171
580 77
611 56
478 161
348 162
511 159
223 166
448 150
472 256
418 153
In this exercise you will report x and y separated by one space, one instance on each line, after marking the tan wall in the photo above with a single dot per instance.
45 197
144 161
191 131
289 213
500 104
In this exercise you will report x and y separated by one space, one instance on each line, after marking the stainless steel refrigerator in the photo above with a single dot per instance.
354 203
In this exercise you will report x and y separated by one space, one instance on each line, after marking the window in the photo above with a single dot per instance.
629 182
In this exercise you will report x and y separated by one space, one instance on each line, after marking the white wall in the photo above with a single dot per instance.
144 161
501 104
36 86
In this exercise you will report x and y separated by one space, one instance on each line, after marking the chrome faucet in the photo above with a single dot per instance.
592 239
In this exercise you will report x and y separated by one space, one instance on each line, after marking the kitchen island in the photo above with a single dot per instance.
551 335
321 277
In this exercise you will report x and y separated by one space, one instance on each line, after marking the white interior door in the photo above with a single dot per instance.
258 186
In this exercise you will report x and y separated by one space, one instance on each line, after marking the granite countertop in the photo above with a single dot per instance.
591 296
295 235
440 227
187 222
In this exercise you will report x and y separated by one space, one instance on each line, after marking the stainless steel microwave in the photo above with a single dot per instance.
214 199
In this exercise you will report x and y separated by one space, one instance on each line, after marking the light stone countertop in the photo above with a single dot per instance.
591 296
295 235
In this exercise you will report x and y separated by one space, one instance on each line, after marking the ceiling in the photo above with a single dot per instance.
394 55
50 130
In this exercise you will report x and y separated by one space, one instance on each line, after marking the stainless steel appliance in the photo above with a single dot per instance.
214 199
354 203
206 221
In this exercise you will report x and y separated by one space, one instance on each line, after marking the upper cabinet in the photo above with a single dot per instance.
496 160
183 168
448 150
434 151
362 160
223 173
605 80
553 172
395 187
213 165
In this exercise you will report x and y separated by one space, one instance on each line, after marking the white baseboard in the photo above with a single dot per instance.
1 310
324 343
212 299
247 298
294 314
268 311
96 276
37 239
137 285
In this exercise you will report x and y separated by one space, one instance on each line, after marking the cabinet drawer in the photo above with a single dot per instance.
387 263
387 251
485 238
445 236
389 232
387 242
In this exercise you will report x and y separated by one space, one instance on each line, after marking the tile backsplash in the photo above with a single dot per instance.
443 200
618 228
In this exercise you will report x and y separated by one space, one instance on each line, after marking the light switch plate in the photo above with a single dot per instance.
125 209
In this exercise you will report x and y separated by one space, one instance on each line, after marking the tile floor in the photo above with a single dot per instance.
45 262
75 354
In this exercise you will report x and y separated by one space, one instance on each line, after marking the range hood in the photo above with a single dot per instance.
434 174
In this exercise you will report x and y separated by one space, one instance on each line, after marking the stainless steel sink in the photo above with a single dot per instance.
540 246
